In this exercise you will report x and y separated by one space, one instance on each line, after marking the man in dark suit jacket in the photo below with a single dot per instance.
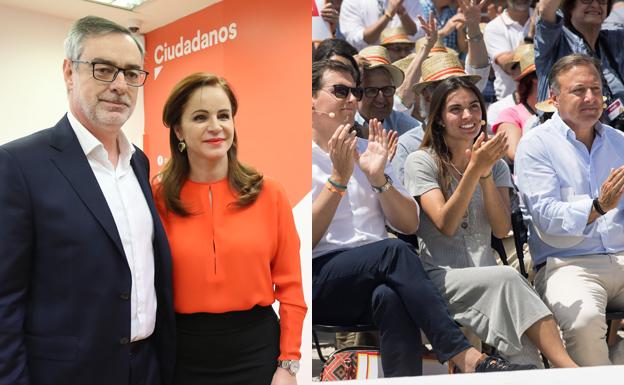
85 268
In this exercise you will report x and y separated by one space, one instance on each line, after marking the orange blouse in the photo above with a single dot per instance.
227 258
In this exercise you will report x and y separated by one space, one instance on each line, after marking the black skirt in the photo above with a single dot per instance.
231 348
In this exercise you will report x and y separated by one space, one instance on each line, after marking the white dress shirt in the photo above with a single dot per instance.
359 219
133 219
357 15
503 34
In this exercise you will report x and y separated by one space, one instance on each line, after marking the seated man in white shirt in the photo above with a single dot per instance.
571 177
359 274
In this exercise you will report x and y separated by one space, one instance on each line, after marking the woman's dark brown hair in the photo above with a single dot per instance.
525 86
244 180
434 132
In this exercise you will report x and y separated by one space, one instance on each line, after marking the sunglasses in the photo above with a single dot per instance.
371 92
342 92
601 2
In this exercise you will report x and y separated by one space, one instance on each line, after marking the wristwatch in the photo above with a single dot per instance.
385 187
291 365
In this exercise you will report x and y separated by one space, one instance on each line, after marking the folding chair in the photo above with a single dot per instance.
316 328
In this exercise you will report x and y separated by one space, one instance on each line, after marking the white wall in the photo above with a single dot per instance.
33 93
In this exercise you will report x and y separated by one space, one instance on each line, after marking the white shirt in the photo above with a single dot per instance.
359 219
357 15
133 220
504 35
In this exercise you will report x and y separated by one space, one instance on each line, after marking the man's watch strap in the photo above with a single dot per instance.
383 188
598 208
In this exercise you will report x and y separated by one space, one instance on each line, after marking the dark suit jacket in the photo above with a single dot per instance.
64 278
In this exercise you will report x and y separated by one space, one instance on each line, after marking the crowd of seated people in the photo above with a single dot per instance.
402 144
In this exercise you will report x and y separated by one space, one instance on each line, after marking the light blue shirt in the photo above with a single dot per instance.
408 143
401 122
558 179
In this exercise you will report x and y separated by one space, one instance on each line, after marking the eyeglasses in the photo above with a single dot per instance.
371 92
342 92
108 73
601 2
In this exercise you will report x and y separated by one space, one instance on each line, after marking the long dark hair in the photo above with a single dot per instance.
244 180
434 132
525 86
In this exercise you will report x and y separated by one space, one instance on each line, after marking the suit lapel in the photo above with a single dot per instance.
72 162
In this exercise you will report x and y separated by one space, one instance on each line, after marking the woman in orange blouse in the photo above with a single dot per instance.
234 245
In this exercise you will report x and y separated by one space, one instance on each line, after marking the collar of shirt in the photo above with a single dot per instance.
567 132
508 21
92 147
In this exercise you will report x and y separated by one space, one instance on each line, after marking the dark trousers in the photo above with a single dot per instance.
144 368
233 348
384 283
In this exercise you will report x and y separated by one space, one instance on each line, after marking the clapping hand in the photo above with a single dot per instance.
373 161
612 189
341 152
394 6
330 14
471 10
393 142
486 152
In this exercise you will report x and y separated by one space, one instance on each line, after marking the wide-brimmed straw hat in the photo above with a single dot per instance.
439 67
395 35
439 47
547 105
402 64
377 56
524 55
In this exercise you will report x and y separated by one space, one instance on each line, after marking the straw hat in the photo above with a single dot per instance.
402 64
524 55
395 35
439 47
377 56
439 67
547 105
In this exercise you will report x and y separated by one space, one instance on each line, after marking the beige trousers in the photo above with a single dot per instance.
578 291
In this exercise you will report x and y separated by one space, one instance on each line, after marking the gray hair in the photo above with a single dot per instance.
567 63
93 26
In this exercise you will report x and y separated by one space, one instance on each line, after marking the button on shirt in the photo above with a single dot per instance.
133 220
359 219
558 183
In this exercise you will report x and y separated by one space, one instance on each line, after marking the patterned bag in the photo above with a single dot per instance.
352 363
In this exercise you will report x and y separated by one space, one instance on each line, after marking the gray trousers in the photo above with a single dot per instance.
497 304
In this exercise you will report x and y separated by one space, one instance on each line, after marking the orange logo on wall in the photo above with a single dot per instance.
262 49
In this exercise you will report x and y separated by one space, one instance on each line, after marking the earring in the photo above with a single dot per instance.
181 146
604 105
482 122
